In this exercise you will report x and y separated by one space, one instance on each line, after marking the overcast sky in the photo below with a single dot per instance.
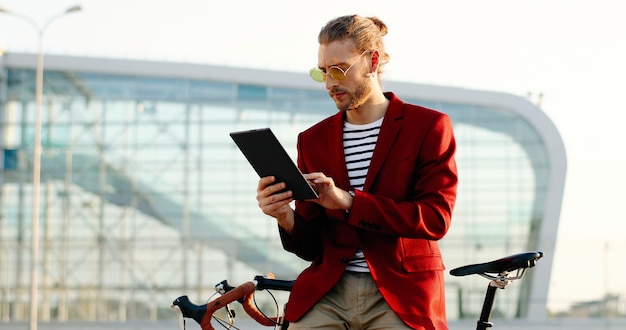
571 51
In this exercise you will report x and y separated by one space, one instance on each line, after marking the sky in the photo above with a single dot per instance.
572 52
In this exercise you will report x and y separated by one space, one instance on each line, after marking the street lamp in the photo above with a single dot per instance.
37 152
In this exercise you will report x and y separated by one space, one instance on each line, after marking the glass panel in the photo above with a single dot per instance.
140 175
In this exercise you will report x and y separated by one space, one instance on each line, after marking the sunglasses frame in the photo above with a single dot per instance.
334 71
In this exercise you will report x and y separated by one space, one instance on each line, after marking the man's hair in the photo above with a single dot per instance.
366 32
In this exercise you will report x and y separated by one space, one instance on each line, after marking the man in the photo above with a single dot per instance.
386 177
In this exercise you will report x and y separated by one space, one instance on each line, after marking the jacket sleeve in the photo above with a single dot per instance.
304 241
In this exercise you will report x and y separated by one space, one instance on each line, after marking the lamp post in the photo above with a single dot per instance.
41 29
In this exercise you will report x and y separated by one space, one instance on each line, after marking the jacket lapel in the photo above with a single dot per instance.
388 134
336 153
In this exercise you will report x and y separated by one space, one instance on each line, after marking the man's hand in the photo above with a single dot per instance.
330 196
275 204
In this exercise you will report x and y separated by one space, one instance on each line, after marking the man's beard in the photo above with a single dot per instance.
357 98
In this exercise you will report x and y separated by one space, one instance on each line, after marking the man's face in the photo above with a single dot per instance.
351 92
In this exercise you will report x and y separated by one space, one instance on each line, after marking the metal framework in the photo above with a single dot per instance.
145 198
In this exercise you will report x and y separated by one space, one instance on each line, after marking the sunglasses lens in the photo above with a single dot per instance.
336 73
316 74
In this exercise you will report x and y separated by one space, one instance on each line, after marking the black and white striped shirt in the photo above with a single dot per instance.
359 142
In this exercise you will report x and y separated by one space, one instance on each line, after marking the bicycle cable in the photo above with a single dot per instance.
230 314
276 323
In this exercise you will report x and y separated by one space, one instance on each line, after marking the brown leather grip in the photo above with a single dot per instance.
222 301
251 309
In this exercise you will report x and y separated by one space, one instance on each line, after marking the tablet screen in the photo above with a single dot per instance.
268 157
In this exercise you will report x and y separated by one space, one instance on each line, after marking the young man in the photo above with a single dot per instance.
387 179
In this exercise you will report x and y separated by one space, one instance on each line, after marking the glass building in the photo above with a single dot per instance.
144 196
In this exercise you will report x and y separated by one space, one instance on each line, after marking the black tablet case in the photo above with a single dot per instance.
268 157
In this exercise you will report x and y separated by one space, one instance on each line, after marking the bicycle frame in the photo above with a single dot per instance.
500 272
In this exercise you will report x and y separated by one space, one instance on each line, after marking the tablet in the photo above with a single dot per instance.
268 157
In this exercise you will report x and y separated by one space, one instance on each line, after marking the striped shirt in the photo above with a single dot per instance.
359 142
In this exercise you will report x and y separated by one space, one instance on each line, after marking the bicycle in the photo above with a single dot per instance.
500 272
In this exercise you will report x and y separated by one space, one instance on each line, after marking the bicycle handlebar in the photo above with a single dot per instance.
244 293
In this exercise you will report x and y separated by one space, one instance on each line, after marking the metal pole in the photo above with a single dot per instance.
37 158
34 298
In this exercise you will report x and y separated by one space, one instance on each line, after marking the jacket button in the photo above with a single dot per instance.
344 260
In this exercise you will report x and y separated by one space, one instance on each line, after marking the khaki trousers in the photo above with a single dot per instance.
353 303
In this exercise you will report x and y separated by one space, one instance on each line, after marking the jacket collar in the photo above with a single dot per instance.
388 134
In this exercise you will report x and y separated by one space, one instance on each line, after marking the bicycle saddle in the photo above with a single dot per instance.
506 264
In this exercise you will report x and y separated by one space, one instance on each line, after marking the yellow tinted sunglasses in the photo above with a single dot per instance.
334 72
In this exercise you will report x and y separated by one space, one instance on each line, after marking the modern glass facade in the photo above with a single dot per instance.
145 197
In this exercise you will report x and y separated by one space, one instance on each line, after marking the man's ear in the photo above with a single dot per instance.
375 61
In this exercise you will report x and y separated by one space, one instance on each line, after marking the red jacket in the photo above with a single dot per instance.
404 208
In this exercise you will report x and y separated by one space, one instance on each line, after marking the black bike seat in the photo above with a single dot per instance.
506 264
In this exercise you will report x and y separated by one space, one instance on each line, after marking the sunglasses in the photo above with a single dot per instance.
334 72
